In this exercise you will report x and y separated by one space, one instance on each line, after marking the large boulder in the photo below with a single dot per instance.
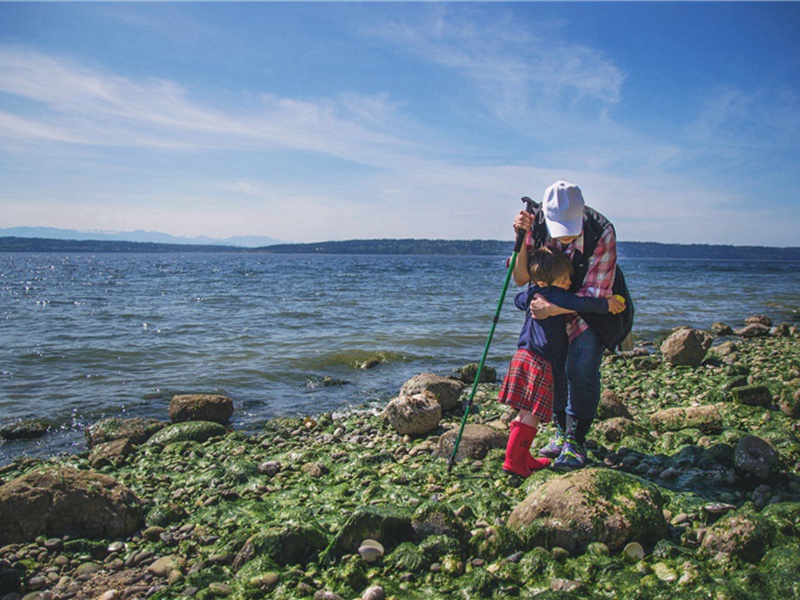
476 441
414 415
686 346
137 430
65 501
445 389
591 505
201 407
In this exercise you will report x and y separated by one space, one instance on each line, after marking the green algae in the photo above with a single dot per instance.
214 498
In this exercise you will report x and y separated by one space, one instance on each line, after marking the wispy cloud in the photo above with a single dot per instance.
80 105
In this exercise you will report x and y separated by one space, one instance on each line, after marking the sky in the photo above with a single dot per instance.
317 121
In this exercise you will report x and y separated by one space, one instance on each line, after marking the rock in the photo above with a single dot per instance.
752 395
110 452
467 373
201 407
189 431
758 320
725 348
720 329
435 518
414 415
744 537
476 441
755 458
617 428
790 404
447 391
289 545
753 330
686 346
591 505
137 430
391 527
26 429
165 565
65 501
374 592
611 406
705 418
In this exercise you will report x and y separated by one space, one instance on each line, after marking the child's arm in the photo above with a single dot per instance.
523 299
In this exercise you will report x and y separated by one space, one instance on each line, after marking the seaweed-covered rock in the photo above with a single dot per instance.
618 428
468 372
719 328
746 537
611 407
790 404
752 395
290 545
758 320
26 429
435 518
65 501
476 441
591 505
201 407
190 431
414 415
390 527
447 391
137 430
686 346
705 418
112 452
755 458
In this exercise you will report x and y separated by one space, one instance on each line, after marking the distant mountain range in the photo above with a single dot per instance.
396 246
152 237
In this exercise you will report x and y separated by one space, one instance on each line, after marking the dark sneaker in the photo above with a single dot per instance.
553 447
573 456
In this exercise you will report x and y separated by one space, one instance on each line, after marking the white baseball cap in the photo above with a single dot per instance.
563 209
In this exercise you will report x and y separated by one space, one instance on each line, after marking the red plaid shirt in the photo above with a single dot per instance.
599 278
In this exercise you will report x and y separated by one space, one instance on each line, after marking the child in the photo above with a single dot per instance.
542 347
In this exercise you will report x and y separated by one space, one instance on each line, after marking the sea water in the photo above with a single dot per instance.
88 336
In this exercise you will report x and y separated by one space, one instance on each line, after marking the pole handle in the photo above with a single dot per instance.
530 207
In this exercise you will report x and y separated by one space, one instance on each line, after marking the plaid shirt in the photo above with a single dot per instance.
599 278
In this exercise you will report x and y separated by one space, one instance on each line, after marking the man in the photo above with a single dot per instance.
565 223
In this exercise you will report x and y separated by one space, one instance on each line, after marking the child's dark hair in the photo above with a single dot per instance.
548 266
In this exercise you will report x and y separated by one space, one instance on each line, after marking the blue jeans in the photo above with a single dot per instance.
578 389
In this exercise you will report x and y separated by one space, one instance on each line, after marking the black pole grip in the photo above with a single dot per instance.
520 238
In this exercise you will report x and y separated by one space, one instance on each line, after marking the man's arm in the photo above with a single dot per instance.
574 303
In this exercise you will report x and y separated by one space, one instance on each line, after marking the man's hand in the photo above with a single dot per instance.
524 220
616 304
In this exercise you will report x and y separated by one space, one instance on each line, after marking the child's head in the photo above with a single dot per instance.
547 267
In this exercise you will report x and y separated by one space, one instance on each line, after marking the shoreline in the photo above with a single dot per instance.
221 516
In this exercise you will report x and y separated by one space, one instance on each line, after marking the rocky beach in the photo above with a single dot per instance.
693 491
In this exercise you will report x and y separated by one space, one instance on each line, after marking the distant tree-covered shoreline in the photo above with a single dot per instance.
400 247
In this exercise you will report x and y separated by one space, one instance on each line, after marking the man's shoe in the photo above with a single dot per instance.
573 456
554 446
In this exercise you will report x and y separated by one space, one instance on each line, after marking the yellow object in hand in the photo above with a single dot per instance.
620 298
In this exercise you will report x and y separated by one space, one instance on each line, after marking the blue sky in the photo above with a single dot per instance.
319 121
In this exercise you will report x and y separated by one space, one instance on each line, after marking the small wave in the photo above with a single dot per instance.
352 358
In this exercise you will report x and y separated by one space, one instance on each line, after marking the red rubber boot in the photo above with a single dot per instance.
518 449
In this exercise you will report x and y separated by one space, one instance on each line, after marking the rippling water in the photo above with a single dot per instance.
84 337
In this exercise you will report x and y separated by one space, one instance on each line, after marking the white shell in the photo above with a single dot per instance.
634 550
370 550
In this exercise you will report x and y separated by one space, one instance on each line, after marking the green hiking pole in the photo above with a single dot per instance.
531 205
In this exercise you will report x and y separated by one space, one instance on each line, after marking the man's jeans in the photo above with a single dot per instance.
579 391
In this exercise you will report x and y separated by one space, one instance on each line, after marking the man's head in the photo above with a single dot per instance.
563 210
547 267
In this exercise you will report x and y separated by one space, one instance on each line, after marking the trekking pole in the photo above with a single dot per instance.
530 207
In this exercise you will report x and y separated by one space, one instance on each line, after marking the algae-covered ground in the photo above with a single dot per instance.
281 514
